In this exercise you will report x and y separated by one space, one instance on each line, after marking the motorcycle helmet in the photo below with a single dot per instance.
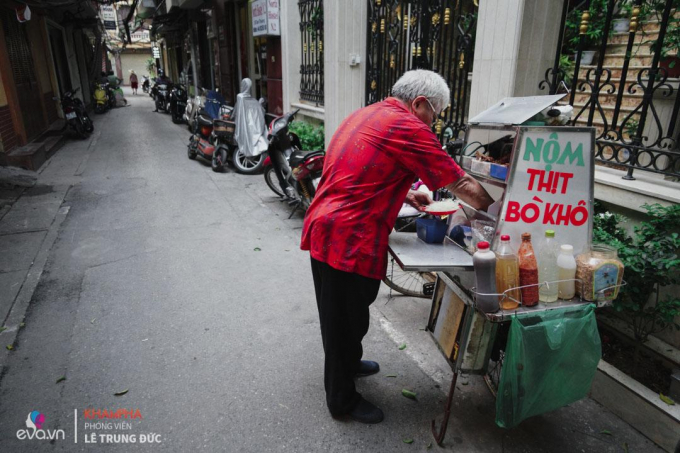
161 73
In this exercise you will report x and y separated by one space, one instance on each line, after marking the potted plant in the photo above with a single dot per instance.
622 22
669 49
594 34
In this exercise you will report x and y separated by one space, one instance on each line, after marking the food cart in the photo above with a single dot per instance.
541 178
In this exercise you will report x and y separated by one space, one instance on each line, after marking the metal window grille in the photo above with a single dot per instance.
423 34
629 92
311 34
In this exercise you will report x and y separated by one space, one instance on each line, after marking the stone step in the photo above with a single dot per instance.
617 59
622 38
53 143
614 70
627 100
29 157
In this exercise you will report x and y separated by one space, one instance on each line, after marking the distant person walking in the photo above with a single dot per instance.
134 83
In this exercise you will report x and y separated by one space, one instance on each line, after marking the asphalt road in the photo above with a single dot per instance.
186 290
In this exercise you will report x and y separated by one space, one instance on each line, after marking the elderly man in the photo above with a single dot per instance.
371 162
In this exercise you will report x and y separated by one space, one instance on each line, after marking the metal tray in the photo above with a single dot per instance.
414 255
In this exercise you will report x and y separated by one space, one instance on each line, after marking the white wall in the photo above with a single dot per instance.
515 44
345 85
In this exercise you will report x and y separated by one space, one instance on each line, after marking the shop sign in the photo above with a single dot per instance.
108 15
142 35
266 21
551 187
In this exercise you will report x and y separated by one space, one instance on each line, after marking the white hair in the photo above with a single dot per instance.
421 82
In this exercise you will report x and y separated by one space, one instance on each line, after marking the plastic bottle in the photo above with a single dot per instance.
528 271
567 270
547 267
484 261
507 274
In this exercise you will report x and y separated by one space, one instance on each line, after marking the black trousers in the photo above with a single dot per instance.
343 299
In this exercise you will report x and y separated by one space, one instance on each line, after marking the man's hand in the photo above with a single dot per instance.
418 200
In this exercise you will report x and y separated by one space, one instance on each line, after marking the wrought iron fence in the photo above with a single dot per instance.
311 38
630 93
422 34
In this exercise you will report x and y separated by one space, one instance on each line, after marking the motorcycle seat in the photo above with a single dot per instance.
299 157
204 120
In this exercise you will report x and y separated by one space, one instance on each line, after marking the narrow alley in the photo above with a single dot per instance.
150 283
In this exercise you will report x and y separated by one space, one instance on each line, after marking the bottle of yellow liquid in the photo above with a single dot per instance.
507 274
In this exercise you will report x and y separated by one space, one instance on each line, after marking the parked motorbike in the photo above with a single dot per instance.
160 94
193 107
76 114
178 103
303 168
101 98
146 84
213 135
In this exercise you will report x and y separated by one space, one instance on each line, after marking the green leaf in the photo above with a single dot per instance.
391 375
121 393
9 347
407 441
23 324
666 399
2 329
429 445
402 346
605 431
408 394
63 378
257 249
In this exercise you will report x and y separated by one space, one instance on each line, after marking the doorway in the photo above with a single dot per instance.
23 71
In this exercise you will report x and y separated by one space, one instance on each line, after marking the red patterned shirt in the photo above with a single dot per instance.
371 162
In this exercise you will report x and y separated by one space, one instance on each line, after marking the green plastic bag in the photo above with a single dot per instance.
550 361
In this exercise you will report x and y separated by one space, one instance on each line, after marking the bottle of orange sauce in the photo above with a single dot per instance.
507 274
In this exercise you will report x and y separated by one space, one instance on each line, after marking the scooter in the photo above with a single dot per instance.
76 115
160 94
212 136
101 98
145 84
303 169
178 103
193 107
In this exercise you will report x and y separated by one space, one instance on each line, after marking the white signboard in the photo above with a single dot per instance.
142 35
108 16
550 187
266 20
273 22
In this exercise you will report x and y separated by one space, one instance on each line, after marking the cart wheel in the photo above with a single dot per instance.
414 284
493 376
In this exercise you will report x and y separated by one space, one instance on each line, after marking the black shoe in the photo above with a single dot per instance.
366 412
367 368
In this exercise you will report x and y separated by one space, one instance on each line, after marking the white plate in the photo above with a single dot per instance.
70 116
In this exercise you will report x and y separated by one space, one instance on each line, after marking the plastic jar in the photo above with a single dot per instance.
599 268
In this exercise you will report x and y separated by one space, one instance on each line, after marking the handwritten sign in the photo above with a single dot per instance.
265 18
550 187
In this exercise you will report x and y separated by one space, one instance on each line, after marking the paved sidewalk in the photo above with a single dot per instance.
135 269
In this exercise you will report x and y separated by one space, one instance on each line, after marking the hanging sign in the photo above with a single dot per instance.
108 15
23 13
156 52
266 21
551 186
